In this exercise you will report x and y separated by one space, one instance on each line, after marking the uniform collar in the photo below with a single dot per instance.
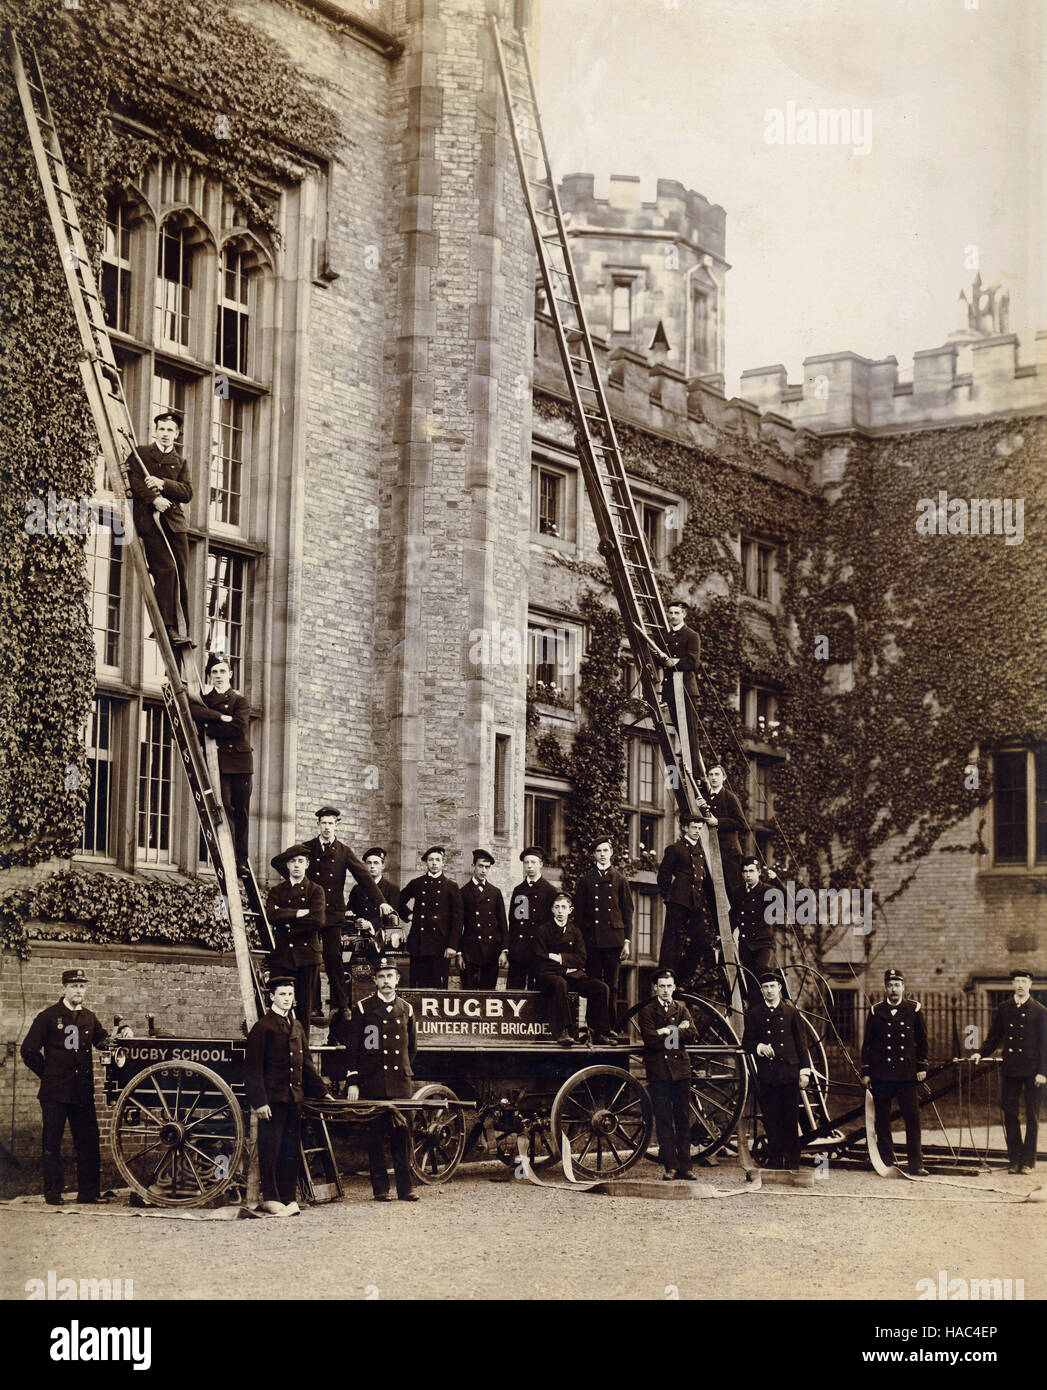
73 1008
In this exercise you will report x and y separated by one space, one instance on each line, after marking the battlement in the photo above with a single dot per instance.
954 382
676 210
645 391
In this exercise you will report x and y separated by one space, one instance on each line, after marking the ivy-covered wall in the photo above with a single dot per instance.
216 95
897 653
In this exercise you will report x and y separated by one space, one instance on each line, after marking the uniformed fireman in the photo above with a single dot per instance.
559 967
330 862
160 489
603 913
390 925
485 930
530 906
894 1062
1019 1029
433 903
682 882
279 1074
297 911
749 919
382 1047
684 649
666 1027
57 1049
776 1037
726 814
223 715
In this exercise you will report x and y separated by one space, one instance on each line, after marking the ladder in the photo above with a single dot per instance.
104 388
622 541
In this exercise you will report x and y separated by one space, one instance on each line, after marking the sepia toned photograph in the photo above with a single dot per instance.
523 740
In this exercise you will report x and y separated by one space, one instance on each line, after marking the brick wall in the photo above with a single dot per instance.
189 992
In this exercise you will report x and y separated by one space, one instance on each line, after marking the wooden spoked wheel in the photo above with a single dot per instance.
719 1079
437 1136
178 1134
606 1116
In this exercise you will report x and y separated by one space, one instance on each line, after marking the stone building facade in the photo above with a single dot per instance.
389 518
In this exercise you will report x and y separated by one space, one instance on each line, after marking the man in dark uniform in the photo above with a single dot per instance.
530 905
1019 1027
57 1049
329 862
296 910
559 966
729 818
161 523
755 933
382 1047
360 903
223 715
686 938
434 904
775 1036
666 1027
894 1062
603 913
279 1074
485 930
684 649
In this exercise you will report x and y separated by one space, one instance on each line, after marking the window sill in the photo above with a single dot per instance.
556 712
1000 873
548 542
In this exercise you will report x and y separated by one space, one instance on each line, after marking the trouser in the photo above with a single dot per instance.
604 963
83 1124
883 1093
754 960
306 984
480 976
519 976
672 1122
690 688
779 1106
685 942
1013 1087
732 874
429 972
279 1152
169 575
555 989
334 967
388 1127
236 798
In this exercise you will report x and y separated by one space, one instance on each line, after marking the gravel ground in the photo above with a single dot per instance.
475 1238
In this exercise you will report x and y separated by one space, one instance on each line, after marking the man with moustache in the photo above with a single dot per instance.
894 1062
57 1049
330 862
485 931
775 1036
1019 1029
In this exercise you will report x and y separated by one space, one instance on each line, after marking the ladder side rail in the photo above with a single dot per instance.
106 409
588 460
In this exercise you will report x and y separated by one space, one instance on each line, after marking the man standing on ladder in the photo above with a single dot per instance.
686 937
159 491
729 819
223 715
684 647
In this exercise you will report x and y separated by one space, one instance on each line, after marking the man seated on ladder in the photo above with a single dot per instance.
159 478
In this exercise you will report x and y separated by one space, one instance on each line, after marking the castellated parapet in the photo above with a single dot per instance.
951 383
650 272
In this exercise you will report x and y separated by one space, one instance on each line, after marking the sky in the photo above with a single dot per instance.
830 249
